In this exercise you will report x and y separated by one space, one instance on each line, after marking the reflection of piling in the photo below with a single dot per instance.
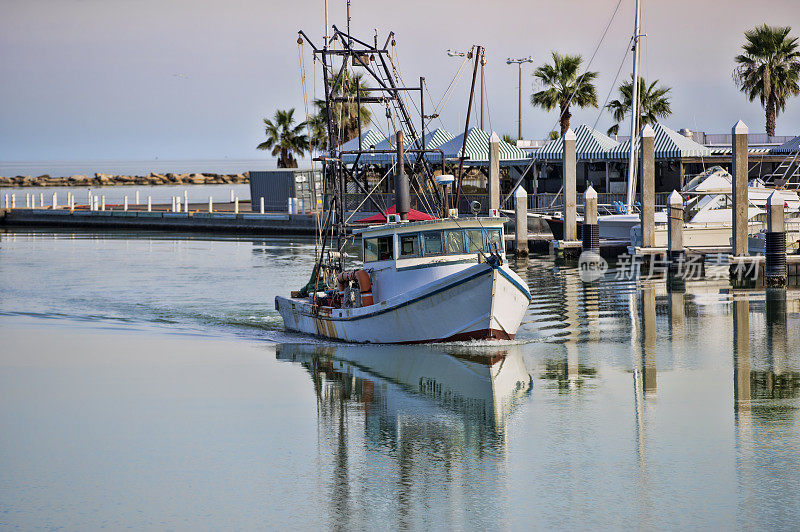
591 234
649 382
741 354
494 172
676 255
648 173
775 273
521 212
740 189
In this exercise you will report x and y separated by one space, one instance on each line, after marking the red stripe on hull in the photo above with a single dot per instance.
482 334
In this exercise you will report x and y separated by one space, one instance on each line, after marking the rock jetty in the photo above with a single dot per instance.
108 180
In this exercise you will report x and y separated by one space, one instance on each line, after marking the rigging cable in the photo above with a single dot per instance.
569 102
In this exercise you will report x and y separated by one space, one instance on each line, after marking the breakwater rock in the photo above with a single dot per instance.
108 180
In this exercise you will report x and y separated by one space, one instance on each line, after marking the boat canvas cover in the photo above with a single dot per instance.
413 215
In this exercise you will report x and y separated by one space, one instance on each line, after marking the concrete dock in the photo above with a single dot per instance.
161 218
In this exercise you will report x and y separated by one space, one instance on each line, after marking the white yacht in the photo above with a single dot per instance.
427 281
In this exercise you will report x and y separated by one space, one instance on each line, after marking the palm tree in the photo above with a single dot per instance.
564 86
654 104
344 116
769 69
284 138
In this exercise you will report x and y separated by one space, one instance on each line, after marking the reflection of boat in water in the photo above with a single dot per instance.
483 387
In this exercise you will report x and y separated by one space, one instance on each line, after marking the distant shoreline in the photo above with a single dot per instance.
152 179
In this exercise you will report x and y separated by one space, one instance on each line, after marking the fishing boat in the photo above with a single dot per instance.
443 279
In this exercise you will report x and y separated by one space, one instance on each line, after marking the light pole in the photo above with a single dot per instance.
453 53
519 62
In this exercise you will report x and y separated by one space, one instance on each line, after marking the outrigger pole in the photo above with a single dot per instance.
335 173
478 54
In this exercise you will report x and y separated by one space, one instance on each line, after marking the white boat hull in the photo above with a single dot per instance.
479 302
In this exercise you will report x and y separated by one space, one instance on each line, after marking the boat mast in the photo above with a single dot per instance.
633 157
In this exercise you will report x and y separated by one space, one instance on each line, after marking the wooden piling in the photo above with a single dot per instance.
569 172
648 173
675 251
521 214
775 273
494 172
591 234
740 189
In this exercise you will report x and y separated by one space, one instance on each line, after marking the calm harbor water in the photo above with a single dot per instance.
146 381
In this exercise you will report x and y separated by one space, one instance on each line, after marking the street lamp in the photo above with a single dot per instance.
453 53
519 62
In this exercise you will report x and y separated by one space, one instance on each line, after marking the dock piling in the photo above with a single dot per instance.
494 173
185 201
236 205
231 195
261 204
103 202
41 199
13 201
740 188
137 198
54 204
6 204
569 185
521 212
675 252
149 204
648 173
775 273
591 234
210 204
28 200
125 203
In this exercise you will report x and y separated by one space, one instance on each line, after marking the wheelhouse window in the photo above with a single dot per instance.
432 243
493 237
379 248
474 240
454 241
409 245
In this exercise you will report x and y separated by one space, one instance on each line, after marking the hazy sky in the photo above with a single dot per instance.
139 79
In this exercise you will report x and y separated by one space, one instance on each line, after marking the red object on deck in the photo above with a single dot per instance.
413 216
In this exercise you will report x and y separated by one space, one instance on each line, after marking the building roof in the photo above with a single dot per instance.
669 144
477 148
790 146
591 144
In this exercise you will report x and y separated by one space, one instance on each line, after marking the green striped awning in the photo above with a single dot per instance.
591 144
368 138
477 148
788 147
432 140
669 145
